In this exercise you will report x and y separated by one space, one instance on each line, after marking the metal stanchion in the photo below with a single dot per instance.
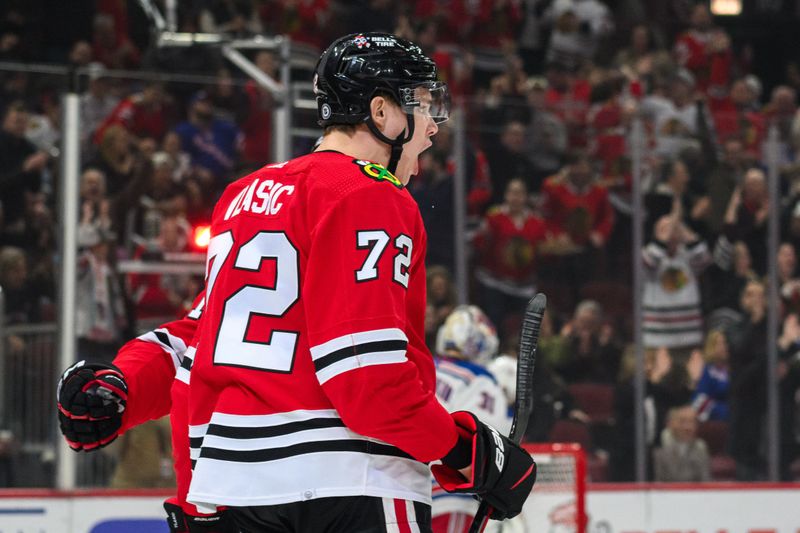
68 252
637 222
460 204
773 241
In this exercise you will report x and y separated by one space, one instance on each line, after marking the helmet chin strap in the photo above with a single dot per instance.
397 143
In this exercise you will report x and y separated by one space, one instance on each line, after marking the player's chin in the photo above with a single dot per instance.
405 172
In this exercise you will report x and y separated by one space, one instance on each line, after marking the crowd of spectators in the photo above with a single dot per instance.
555 93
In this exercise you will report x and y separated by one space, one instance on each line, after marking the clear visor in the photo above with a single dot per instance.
430 99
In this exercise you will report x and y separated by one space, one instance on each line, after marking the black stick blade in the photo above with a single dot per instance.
528 339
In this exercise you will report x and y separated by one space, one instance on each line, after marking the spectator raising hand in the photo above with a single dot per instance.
790 333
673 260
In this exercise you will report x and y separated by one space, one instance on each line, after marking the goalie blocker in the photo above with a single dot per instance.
501 472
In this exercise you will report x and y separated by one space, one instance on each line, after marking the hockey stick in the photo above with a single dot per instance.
523 405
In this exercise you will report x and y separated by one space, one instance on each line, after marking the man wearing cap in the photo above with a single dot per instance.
212 143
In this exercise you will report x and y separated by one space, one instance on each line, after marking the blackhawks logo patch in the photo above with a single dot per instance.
378 172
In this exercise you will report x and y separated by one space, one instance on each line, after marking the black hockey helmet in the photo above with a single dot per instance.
357 67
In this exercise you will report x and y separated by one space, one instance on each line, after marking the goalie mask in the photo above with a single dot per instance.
467 333
358 67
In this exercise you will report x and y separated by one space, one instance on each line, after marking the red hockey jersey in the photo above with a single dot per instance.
507 247
577 213
311 377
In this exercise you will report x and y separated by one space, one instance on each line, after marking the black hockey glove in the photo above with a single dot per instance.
180 522
91 398
502 472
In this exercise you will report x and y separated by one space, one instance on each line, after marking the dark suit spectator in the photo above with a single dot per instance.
750 224
508 158
433 191
22 299
724 179
21 164
228 97
725 279
748 383
789 388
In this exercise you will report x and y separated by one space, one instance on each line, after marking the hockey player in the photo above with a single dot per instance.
465 343
311 402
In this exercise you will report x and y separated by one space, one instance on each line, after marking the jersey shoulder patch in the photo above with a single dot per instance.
377 172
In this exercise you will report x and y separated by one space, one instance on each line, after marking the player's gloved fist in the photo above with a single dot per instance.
181 522
91 398
502 473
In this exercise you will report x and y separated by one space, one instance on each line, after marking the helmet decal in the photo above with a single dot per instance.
360 41
325 111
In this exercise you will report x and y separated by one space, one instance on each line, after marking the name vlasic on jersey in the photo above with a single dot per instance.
262 197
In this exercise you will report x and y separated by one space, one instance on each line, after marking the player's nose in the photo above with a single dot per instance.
433 127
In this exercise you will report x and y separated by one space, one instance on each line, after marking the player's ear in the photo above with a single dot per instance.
378 108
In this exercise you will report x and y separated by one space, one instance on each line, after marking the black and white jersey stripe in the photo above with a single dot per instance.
171 344
280 436
307 452
356 350
184 372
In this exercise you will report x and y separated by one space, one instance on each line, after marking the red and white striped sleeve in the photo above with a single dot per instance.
150 363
